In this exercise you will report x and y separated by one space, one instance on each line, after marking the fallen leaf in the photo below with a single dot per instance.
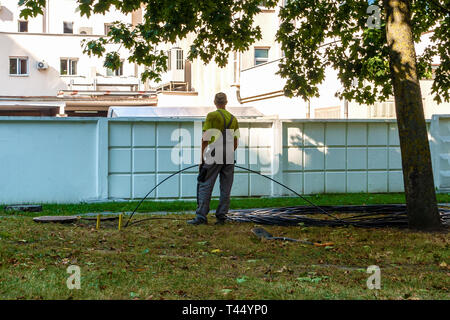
326 244
216 251
242 280
226 291
283 269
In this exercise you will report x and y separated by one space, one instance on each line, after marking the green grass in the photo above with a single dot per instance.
167 259
236 203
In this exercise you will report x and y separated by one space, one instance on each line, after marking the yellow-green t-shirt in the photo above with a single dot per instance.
214 120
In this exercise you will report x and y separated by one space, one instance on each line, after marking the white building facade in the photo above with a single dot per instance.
43 68
42 60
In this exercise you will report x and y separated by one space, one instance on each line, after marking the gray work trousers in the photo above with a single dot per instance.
204 190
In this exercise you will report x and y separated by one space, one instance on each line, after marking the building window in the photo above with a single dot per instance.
18 66
115 73
328 113
180 61
108 28
264 6
68 27
235 67
261 55
169 60
23 26
69 66
382 110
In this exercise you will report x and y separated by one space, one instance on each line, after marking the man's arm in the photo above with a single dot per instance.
206 126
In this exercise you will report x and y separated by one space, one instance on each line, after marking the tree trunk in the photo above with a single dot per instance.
416 158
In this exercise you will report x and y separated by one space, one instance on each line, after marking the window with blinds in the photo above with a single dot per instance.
180 61
384 109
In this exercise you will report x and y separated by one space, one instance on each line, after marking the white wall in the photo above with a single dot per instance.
342 156
65 10
58 12
53 45
440 150
48 160
10 15
77 159
258 82
180 99
48 82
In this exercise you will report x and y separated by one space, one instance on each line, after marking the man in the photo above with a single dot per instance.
220 134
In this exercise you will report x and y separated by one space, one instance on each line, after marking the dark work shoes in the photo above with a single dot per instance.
220 222
196 221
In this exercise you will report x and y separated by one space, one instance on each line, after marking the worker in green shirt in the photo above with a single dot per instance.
219 141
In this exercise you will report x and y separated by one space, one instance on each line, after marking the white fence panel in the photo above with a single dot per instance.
142 154
440 148
51 160
341 156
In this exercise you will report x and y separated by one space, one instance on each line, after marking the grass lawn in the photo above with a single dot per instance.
167 259
236 203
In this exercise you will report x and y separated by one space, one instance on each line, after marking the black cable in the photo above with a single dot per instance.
368 216
376 216
311 203
249 170
167 178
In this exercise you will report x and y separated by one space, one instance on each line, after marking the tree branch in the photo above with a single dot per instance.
441 6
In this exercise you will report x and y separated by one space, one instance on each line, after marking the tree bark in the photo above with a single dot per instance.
418 179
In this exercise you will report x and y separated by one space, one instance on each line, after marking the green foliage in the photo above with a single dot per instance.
314 35
359 54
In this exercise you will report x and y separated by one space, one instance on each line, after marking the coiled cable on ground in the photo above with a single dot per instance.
366 216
